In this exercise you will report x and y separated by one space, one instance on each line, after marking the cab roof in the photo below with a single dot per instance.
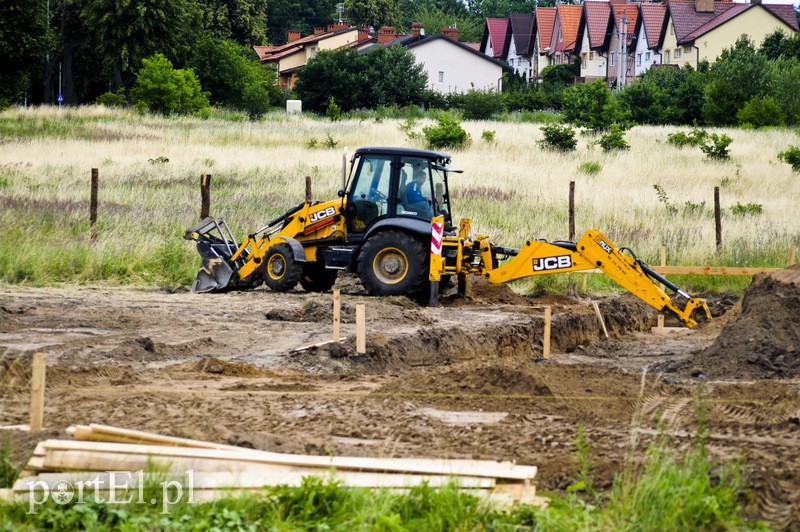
403 152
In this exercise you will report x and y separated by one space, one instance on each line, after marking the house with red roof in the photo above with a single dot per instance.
543 20
493 40
648 30
565 33
622 45
592 42
700 30
518 54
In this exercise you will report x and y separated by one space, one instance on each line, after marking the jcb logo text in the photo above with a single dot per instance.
552 263
319 215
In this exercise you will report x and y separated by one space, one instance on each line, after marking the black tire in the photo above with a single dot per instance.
316 278
393 263
281 272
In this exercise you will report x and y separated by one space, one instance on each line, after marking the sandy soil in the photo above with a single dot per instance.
464 380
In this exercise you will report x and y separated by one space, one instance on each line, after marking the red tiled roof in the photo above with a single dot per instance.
686 19
474 45
273 53
598 15
785 12
631 12
717 21
496 30
545 19
521 31
653 18
570 20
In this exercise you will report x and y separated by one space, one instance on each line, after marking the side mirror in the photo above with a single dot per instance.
340 193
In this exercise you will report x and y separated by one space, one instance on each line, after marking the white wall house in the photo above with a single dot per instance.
519 43
455 67
651 22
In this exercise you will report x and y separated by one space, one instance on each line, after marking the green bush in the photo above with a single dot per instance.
525 100
614 140
162 89
791 157
111 99
558 138
4 104
447 133
680 139
761 112
591 105
334 112
747 209
590 167
488 136
478 105
718 148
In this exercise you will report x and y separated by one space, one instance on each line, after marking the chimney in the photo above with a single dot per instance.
386 34
755 1
363 33
319 31
336 27
293 35
704 6
416 29
451 32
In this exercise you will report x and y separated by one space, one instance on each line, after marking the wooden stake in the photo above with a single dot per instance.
717 217
37 391
791 256
93 204
660 322
337 313
662 252
572 211
585 281
205 196
308 189
361 329
600 317
546 339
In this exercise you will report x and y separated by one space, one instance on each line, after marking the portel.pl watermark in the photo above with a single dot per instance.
113 487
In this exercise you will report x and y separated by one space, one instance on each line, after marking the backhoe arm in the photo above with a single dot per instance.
592 251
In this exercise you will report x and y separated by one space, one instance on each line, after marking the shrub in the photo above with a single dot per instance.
591 105
614 140
4 104
163 89
111 99
330 143
334 112
663 197
488 136
558 138
751 209
447 133
761 112
479 105
791 157
680 139
718 148
590 168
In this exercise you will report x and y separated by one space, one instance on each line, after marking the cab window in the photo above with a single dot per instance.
370 192
415 191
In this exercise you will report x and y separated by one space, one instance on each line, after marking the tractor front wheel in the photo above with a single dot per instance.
281 271
393 263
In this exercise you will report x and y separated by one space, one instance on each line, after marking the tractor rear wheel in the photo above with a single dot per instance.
316 278
281 271
393 263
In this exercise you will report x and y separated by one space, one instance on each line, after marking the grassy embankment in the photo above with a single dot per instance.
511 188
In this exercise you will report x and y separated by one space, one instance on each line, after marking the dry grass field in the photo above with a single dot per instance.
511 188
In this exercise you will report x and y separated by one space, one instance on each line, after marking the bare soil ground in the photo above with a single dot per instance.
464 380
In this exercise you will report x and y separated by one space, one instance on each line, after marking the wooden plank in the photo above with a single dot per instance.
138 436
791 256
711 270
600 319
318 344
337 314
667 331
37 391
23 428
227 480
361 329
546 335
482 468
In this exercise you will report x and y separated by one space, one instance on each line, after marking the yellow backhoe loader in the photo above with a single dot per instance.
392 224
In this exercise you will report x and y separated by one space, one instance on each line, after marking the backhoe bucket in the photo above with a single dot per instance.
216 245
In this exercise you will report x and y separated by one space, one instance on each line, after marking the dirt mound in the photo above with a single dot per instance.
479 290
764 341
144 349
216 366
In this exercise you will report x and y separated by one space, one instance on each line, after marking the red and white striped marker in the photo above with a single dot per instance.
437 229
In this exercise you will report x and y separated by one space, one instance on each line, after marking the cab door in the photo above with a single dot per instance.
370 194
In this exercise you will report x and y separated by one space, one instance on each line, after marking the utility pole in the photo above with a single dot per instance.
624 59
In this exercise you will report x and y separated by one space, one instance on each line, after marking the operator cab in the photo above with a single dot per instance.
396 183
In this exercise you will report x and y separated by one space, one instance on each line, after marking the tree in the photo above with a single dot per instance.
244 21
591 105
433 19
297 15
500 8
393 77
737 76
130 30
25 40
777 45
162 89
665 96
232 77
784 87
375 13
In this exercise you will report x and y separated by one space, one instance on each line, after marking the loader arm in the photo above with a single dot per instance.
593 250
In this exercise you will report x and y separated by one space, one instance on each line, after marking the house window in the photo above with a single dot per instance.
647 56
613 58
441 76
638 59
583 60
591 56
677 53
666 56
687 49
671 29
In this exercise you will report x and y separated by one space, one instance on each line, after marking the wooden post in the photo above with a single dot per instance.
546 337
205 195
717 218
308 189
600 318
337 312
660 322
585 281
662 253
572 211
791 256
37 391
361 329
93 204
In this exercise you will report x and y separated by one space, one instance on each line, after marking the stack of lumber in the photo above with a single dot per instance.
218 470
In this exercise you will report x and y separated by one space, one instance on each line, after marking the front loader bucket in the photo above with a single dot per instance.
215 274
216 246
